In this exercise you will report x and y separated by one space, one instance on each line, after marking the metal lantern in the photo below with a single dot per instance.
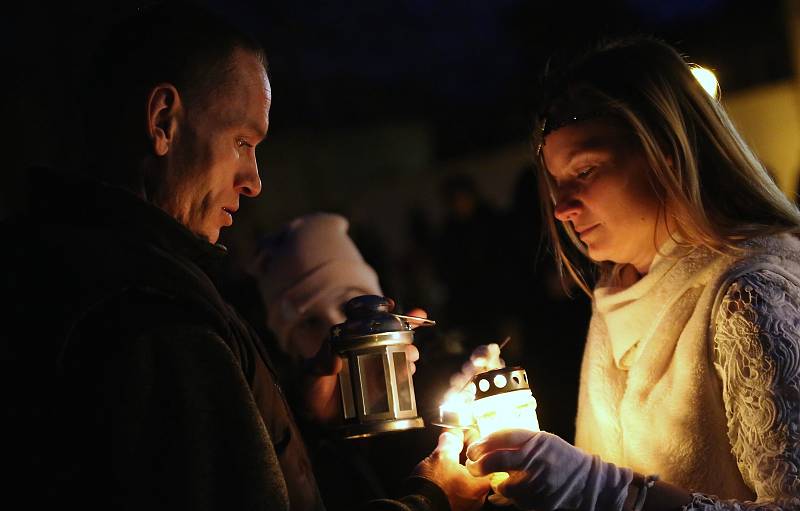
503 400
376 384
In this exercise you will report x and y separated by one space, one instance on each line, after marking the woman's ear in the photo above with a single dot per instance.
163 107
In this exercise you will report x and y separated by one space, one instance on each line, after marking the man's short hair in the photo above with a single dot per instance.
173 42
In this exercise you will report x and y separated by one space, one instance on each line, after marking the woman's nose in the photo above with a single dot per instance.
567 207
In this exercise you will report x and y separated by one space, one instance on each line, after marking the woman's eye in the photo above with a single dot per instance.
243 143
586 173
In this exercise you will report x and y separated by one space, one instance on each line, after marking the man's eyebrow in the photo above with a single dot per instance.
257 128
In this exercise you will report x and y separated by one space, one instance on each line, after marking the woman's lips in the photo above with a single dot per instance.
586 230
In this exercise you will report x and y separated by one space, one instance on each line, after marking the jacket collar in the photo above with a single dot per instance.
61 198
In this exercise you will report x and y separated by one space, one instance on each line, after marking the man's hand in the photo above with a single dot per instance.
464 492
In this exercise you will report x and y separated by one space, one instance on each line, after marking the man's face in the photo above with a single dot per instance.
213 159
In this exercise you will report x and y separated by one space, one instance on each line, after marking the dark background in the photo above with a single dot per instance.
466 68
370 92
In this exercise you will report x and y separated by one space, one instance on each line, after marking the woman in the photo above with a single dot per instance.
692 364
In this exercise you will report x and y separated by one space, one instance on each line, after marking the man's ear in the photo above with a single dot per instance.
163 108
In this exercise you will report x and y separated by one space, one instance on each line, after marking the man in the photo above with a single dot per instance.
128 382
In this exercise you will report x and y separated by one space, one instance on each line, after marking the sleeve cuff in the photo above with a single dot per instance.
425 488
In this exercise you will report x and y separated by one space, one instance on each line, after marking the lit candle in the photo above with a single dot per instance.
503 400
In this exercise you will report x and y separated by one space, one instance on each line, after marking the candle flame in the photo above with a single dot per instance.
457 409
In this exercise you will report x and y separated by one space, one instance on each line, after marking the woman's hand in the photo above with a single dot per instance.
483 358
547 473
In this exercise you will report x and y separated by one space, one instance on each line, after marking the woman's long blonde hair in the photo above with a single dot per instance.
705 176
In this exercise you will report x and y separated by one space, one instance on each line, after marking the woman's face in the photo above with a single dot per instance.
602 192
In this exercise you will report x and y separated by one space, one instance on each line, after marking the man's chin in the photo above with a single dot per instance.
210 236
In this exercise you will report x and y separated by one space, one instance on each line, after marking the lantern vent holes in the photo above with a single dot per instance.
499 381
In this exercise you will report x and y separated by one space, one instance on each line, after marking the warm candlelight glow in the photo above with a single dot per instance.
515 409
496 478
456 410
493 400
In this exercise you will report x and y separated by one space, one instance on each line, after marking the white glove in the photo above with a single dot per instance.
483 358
548 473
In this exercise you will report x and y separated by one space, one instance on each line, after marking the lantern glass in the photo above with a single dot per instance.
345 386
403 381
373 383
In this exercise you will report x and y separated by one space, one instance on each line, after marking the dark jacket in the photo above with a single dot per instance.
127 381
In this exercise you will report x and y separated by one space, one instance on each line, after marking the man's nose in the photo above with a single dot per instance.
249 180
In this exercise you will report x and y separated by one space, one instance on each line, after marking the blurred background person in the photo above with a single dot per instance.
306 273
467 261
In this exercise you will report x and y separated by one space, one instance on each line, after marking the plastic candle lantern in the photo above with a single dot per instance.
503 400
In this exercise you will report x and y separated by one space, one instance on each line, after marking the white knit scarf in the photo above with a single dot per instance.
631 314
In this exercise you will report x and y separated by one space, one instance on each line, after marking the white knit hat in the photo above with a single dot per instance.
310 259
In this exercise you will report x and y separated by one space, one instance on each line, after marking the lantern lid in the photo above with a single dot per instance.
370 318
500 381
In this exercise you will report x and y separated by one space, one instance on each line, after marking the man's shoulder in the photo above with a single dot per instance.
140 313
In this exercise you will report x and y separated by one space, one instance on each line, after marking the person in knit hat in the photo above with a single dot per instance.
306 273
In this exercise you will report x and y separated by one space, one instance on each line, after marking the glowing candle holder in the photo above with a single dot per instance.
491 401
503 400
376 384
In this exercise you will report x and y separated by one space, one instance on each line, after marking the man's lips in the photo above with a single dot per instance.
229 211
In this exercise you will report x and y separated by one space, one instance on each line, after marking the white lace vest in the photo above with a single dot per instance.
652 397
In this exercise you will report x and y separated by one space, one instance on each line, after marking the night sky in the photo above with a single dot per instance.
467 67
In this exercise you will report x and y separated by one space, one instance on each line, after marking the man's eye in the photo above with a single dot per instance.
243 143
585 173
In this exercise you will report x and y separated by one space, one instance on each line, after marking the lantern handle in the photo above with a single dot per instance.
416 319
505 341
